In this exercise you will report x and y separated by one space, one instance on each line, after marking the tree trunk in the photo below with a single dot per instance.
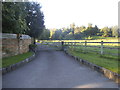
34 41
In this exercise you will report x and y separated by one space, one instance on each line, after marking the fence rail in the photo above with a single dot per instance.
85 45
84 42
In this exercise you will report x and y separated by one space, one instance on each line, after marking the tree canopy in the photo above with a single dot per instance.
82 32
22 18
13 17
27 18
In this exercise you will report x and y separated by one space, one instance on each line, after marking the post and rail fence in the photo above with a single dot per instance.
100 45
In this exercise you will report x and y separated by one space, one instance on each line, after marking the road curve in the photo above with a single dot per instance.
54 69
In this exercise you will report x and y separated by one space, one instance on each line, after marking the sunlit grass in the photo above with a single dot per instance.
110 39
96 49
105 61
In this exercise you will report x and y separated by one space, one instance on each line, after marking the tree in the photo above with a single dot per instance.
77 30
96 30
65 31
105 31
45 35
52 33
89 25
22 18
13 14
72 27
34 20
80 29
57 34
115 32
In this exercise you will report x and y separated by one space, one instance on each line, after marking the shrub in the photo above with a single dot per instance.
32 47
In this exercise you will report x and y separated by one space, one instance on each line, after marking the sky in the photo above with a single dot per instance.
62 13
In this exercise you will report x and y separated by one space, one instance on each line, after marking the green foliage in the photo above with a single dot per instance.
82 32
34 19
52 33
13 15
89 37
89 25
72 27
32 45
27 18
22 17
57 34
45 35
115 31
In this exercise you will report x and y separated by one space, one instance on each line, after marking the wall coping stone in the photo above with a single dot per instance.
8 35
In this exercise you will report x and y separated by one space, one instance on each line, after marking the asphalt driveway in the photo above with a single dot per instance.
54 69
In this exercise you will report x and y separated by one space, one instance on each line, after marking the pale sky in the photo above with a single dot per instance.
61 13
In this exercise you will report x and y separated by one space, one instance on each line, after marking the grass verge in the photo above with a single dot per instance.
103 61
96 49
15 59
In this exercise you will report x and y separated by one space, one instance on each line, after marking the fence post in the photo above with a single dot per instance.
85 43
101 47
85 47
62 45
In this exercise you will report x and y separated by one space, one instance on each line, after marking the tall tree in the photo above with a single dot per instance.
115 32
72 26
105 31
52 33
45 35
34 19
89 25
13 14
22 17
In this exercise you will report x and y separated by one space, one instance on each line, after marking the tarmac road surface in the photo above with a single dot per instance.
54 69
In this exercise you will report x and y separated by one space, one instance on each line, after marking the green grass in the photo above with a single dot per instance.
96 39
15 59
105 39
100 37
105 61
90 49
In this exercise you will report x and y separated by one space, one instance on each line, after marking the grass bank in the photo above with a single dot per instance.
97 50
105 61
15 59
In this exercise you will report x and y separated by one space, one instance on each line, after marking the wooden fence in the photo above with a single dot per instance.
85 45
101 45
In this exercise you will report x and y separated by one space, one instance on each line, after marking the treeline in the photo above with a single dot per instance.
82 32
22 18
27 18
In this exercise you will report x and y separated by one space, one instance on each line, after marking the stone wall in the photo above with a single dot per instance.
13 44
